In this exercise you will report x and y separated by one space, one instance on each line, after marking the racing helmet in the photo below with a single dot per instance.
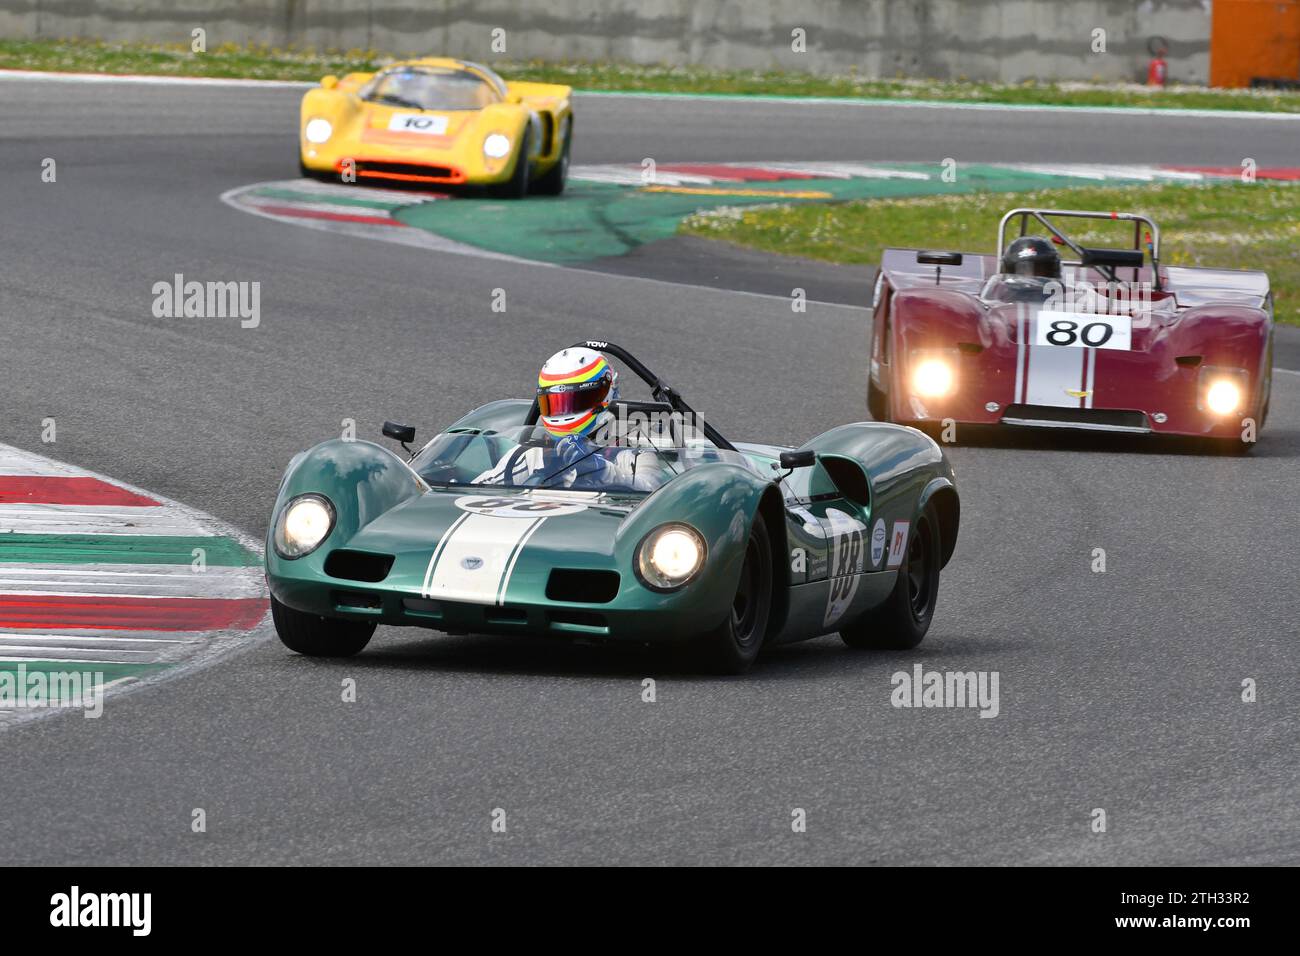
574 388
1032 256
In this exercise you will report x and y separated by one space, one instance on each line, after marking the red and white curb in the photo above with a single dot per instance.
358 211
108 581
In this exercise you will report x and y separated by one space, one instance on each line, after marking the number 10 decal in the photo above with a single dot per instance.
1083 330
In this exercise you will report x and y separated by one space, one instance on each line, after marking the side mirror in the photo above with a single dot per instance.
329 81
790 460
402 433
939 258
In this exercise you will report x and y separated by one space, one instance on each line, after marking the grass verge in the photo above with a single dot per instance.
1226 226
261 62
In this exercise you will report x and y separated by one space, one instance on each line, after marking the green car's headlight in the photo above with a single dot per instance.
669 556
496 146
318 130
303 524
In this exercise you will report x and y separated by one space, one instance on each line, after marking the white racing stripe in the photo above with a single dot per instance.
1050 369
474 560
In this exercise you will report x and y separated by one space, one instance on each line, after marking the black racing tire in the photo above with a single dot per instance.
902 620
517 186
1228 447
317 636
552 184
732 646
877 402
307 173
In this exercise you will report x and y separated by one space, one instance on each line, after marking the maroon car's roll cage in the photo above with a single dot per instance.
1103 260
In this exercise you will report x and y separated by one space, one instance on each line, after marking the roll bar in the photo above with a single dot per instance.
659 389
1082 252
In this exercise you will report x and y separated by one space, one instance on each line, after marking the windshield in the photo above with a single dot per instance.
1076 295
530 457
431 88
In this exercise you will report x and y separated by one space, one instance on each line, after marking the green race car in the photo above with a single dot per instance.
722 547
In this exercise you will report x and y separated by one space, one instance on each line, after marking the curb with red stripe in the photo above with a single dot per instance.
100 578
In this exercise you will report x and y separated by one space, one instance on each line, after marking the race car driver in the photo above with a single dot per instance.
1031 272
574 390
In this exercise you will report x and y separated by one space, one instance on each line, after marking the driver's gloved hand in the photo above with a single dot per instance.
575 450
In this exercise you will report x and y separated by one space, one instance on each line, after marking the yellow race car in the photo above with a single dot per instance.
438 121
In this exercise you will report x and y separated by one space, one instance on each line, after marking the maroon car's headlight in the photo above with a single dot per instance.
1222 391
933 372
302 525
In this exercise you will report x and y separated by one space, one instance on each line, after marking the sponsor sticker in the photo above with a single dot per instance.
898 543
878 537
417 123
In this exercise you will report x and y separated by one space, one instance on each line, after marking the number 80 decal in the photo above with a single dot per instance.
1083 330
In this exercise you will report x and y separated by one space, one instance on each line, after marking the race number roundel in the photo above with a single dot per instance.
878 537
517 507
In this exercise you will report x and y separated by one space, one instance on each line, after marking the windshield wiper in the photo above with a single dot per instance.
398 101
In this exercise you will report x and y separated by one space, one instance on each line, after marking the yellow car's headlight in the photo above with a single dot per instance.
318 130
496 146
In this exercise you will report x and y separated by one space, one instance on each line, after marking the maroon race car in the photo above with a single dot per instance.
1109 339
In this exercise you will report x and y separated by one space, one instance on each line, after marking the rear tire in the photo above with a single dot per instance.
317 636
552 184
901 622
733 646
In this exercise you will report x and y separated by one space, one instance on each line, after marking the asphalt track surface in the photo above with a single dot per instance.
1118 690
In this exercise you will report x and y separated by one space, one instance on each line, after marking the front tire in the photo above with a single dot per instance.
733 646
877 402
317 636
902 621
517 186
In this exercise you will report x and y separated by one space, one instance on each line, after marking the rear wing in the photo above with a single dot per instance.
1105 261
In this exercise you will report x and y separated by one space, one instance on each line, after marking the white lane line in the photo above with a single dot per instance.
743 99
55 76
92 638
1288 371
59 650
739 99
97 519
61 660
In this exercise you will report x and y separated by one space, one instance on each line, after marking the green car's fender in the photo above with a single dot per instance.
719 501
362 480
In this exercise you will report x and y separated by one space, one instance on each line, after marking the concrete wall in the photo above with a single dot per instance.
1008 40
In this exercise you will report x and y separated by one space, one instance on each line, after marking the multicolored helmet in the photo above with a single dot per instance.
574 387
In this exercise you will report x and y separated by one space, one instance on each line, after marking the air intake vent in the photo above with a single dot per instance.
581 586
358 565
